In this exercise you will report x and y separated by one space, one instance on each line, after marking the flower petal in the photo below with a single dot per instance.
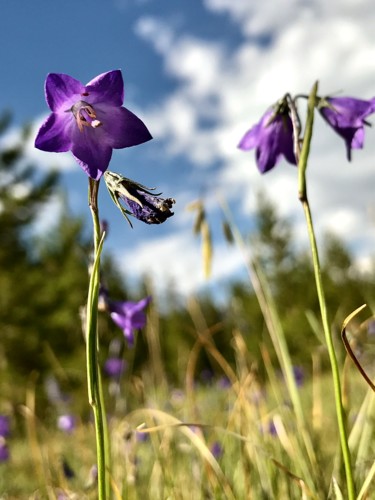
107 87
138 320
55 134
91 150
253 136
286 145
250 139
61 91
348 111
120 320
267 155
123 128
358 138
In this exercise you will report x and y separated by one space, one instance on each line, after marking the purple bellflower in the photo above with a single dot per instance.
272 138
129 316
142 203
89 120
347 116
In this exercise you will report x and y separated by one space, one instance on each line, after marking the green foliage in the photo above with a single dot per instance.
290 277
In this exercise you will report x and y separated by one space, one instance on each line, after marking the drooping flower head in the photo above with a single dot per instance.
129 316
89 120
347 116
142 203
272 138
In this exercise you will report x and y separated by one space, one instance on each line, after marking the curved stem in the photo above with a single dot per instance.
302 165
95 391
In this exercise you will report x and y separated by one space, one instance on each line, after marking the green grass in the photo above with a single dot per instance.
175 460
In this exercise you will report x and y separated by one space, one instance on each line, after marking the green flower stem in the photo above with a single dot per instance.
302 165
95 391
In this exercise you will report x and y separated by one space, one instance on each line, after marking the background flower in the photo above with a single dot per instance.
66 423
114 367
4 426
129 316
347 116
272 137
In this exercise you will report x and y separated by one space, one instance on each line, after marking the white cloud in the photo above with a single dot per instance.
178 259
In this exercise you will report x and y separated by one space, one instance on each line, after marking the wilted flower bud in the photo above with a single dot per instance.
143 204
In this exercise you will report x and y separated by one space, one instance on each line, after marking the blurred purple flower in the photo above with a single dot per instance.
129 316
206 376
299 375
66 423
347 116
224 383
142 203
114 367
272 428
89 120
216 449
4 426
272 137
4 450
141 436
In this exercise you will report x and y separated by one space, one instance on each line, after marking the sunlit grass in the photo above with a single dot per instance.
172 454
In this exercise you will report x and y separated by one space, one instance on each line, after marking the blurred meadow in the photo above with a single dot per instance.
215 400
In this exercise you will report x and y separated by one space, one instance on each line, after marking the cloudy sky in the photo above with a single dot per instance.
200 74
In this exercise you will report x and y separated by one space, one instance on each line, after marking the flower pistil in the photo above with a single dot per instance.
85 115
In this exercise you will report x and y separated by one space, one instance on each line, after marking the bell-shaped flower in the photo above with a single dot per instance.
142 203
129 316
89 120
272 138
347 116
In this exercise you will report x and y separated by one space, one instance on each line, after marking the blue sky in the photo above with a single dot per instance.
200 74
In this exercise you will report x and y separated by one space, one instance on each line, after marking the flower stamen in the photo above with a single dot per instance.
85 115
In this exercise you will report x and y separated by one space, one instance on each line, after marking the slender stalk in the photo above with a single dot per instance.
275 329
302 165
95 391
